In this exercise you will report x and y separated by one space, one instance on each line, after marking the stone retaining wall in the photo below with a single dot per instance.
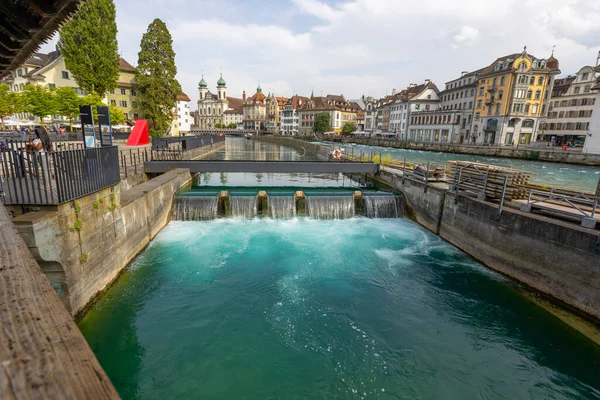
82 246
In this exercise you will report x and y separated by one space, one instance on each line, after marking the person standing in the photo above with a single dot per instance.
42 148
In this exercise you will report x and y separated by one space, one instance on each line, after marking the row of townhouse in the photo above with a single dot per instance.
514 100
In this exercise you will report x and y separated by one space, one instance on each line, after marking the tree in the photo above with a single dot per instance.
348 128
155 80
10 103
232 125
88 42
39 101
117 117
321 123
67 103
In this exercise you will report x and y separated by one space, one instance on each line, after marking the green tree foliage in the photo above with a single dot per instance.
348 128
67 103
321 123
155 80
117 117
39 101
10 103
88 42
232 125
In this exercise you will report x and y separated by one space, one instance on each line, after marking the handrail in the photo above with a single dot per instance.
573 201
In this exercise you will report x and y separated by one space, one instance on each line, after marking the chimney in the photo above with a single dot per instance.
464 73
244 95
427 81
393 92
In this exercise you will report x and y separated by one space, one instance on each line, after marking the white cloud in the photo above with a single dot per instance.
357 47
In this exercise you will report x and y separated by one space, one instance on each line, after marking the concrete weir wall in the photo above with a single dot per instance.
556 258
82 246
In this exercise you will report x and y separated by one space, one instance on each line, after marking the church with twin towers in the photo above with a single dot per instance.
216 108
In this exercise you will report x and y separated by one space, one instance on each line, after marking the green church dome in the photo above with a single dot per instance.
221 81
202 83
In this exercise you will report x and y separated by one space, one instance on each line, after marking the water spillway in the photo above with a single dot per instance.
285 203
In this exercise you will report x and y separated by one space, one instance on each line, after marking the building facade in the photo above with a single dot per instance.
124 95
459 94
184 119
211 107
592 143
512 99
255 111
290 115
570 111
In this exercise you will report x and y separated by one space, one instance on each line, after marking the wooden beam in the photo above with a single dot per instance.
43 353
43 8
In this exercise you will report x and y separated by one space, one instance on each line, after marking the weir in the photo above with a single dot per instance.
190 206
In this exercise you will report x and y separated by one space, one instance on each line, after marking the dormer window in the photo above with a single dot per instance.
543 64
535 64
498 66
522 66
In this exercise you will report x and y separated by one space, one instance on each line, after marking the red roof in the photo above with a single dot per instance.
183 97
125 66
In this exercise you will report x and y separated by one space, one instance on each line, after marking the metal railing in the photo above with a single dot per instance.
575 202
28 178
474 181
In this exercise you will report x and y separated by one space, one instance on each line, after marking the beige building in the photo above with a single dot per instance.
255 111
124 95
50 70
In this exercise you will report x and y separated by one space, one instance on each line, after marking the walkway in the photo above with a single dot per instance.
158 167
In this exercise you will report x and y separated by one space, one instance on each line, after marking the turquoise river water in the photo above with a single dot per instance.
313 309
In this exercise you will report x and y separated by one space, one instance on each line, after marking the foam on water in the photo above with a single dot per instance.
303 308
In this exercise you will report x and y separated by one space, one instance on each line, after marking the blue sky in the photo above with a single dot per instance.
355 47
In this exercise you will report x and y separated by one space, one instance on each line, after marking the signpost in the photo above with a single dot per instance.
106 137
87 126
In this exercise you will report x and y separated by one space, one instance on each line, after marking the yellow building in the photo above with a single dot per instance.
124 94
512 98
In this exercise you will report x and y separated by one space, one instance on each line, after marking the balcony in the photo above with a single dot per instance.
492 89
491 126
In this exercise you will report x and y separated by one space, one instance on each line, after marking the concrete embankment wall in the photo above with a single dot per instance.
82 246
556 155
556 258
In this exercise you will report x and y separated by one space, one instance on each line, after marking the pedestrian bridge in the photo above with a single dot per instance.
346 167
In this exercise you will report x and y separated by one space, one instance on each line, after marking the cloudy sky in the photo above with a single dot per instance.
356 47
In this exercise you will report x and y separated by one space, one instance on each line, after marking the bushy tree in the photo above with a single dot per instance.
232 125
39 101
348 128
88 42
117 117
67 103
155 80
10 103
321 123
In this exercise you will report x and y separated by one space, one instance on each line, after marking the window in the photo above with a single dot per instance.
573 103
477 115
528 123
529 94
113 102
133 93
540 81
112 91
497 67
587 89
479 104
494 82
123 103
65 74
19 72
584 102
527 108
576 90
538 94
123 92
481 91
584 77
470 104
522 66
51 85
472 92
497 109
532 80
534 109
581 114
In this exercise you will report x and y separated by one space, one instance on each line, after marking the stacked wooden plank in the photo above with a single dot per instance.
473 179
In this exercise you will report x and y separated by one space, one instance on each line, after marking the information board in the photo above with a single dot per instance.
106 137
87 125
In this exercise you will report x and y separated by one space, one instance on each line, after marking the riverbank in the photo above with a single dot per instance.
554 155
